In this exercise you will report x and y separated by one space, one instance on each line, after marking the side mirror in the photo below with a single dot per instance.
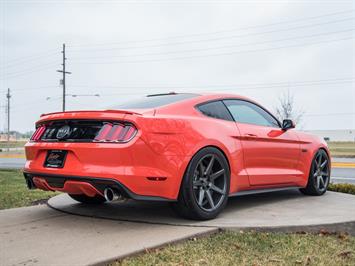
287 124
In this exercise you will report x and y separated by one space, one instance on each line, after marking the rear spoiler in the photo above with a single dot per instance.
96 111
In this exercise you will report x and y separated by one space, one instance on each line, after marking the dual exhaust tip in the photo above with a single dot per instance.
112 194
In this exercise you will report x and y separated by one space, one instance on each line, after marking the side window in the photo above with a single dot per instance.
249 113
216 110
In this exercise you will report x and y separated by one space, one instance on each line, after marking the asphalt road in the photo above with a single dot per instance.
339 175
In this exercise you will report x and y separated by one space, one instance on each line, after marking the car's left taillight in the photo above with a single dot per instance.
38 133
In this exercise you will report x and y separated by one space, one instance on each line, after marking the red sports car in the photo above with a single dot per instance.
193 150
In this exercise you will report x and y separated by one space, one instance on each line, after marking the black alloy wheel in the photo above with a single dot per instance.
205 186
319 175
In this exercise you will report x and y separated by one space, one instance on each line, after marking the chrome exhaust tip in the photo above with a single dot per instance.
112 194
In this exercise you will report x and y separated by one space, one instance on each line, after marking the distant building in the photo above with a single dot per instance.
335 135
3 137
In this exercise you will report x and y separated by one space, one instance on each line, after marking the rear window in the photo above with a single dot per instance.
154 101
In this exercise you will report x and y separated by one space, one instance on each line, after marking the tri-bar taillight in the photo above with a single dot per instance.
38 133
85 131
116 133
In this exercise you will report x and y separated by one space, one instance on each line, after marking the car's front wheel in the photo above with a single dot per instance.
87 200
205 186
319 175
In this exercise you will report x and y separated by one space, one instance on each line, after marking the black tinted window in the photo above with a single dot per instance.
155 101
249 113
215 109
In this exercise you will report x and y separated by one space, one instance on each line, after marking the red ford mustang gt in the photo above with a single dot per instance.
194 150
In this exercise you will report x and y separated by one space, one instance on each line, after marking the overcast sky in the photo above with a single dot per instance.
123 49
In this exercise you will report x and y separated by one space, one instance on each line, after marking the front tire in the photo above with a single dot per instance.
319 175
88 200
205 186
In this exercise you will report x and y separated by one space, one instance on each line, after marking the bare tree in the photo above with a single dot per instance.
286 108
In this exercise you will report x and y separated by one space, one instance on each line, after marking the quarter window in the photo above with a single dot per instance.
249 113
215 109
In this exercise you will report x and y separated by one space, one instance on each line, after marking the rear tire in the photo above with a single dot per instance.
88 200
205 186
319 175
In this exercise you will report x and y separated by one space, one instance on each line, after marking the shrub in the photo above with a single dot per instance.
344 188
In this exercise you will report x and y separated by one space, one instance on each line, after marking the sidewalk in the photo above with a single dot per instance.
41 236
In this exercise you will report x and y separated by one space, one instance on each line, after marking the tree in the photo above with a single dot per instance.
286 109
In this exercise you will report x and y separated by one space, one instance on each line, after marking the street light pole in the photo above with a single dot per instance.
8 96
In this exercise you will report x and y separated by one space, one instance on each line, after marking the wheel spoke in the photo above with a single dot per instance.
316 163
318 181
315 174
323 164
216 174
202 169
217 189
321 181
320 159
209 166
210 200
201 196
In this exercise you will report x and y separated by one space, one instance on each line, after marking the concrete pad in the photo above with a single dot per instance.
269 210
40 235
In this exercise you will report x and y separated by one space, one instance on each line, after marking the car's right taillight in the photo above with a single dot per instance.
38 133
116 133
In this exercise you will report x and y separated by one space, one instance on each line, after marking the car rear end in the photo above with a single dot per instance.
85 152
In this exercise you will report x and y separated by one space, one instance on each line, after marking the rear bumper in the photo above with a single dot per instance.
89 186
133 168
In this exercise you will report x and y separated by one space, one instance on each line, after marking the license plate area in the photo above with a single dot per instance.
55 158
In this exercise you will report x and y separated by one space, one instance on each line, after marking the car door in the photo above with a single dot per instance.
271 155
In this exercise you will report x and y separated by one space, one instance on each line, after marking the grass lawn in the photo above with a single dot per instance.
14 193
342 149
236 248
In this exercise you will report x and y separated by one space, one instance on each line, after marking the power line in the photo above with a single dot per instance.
330 114
219 32
24 60
220 47
28 71
212 55
220 38
238 86
32 88
333 81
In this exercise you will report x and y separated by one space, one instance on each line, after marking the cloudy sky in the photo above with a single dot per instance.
124 49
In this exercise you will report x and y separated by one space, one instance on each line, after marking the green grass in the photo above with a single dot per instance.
342 149
14 193
12 144
232 248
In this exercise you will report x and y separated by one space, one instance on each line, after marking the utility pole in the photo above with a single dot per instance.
8 96
64 73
